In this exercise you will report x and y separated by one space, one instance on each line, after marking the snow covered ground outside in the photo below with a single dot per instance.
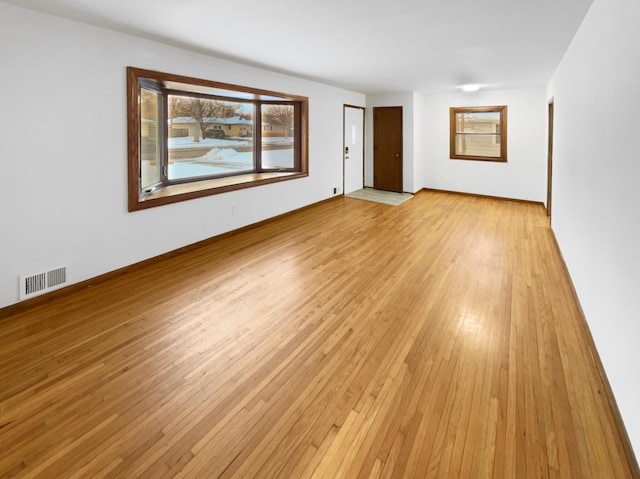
276 139
188 170
187 142
227 160
221 159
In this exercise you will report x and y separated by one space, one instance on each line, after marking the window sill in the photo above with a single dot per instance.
479 158
197 189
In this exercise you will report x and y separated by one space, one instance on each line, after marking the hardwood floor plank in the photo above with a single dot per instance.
439 338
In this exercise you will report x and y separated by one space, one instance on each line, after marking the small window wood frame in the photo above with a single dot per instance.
150 129
478 133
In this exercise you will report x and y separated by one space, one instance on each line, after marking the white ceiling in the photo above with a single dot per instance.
363 45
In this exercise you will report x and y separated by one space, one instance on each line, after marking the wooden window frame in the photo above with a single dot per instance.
175 191
502 135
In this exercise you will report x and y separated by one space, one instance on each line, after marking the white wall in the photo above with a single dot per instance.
419 141
63 150
596 200
406 101
523 176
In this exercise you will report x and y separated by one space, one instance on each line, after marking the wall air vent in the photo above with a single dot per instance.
56 277
40 283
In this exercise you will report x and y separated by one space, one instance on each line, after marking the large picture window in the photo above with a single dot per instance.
478 133
190 138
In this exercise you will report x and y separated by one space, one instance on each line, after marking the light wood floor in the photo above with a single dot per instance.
437 339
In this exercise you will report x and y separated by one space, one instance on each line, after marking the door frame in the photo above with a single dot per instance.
550 156
344 140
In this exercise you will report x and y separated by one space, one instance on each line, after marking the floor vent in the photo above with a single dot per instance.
40 283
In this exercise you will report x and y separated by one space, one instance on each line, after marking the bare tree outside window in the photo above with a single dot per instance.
279 116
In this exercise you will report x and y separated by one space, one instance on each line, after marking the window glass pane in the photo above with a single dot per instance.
209 137
480 122
277 137
478 145
149 138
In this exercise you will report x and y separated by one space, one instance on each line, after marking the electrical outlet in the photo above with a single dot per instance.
335 191
234 210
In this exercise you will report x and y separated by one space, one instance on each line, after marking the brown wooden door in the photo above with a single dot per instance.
387 148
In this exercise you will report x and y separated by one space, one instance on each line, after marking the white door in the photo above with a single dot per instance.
353 149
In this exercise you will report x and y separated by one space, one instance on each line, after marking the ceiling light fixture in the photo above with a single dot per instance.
471 87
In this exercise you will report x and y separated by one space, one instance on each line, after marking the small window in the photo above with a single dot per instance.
190 138
478 133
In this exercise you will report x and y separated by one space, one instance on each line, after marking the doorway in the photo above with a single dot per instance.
550 159
387 148
353 149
